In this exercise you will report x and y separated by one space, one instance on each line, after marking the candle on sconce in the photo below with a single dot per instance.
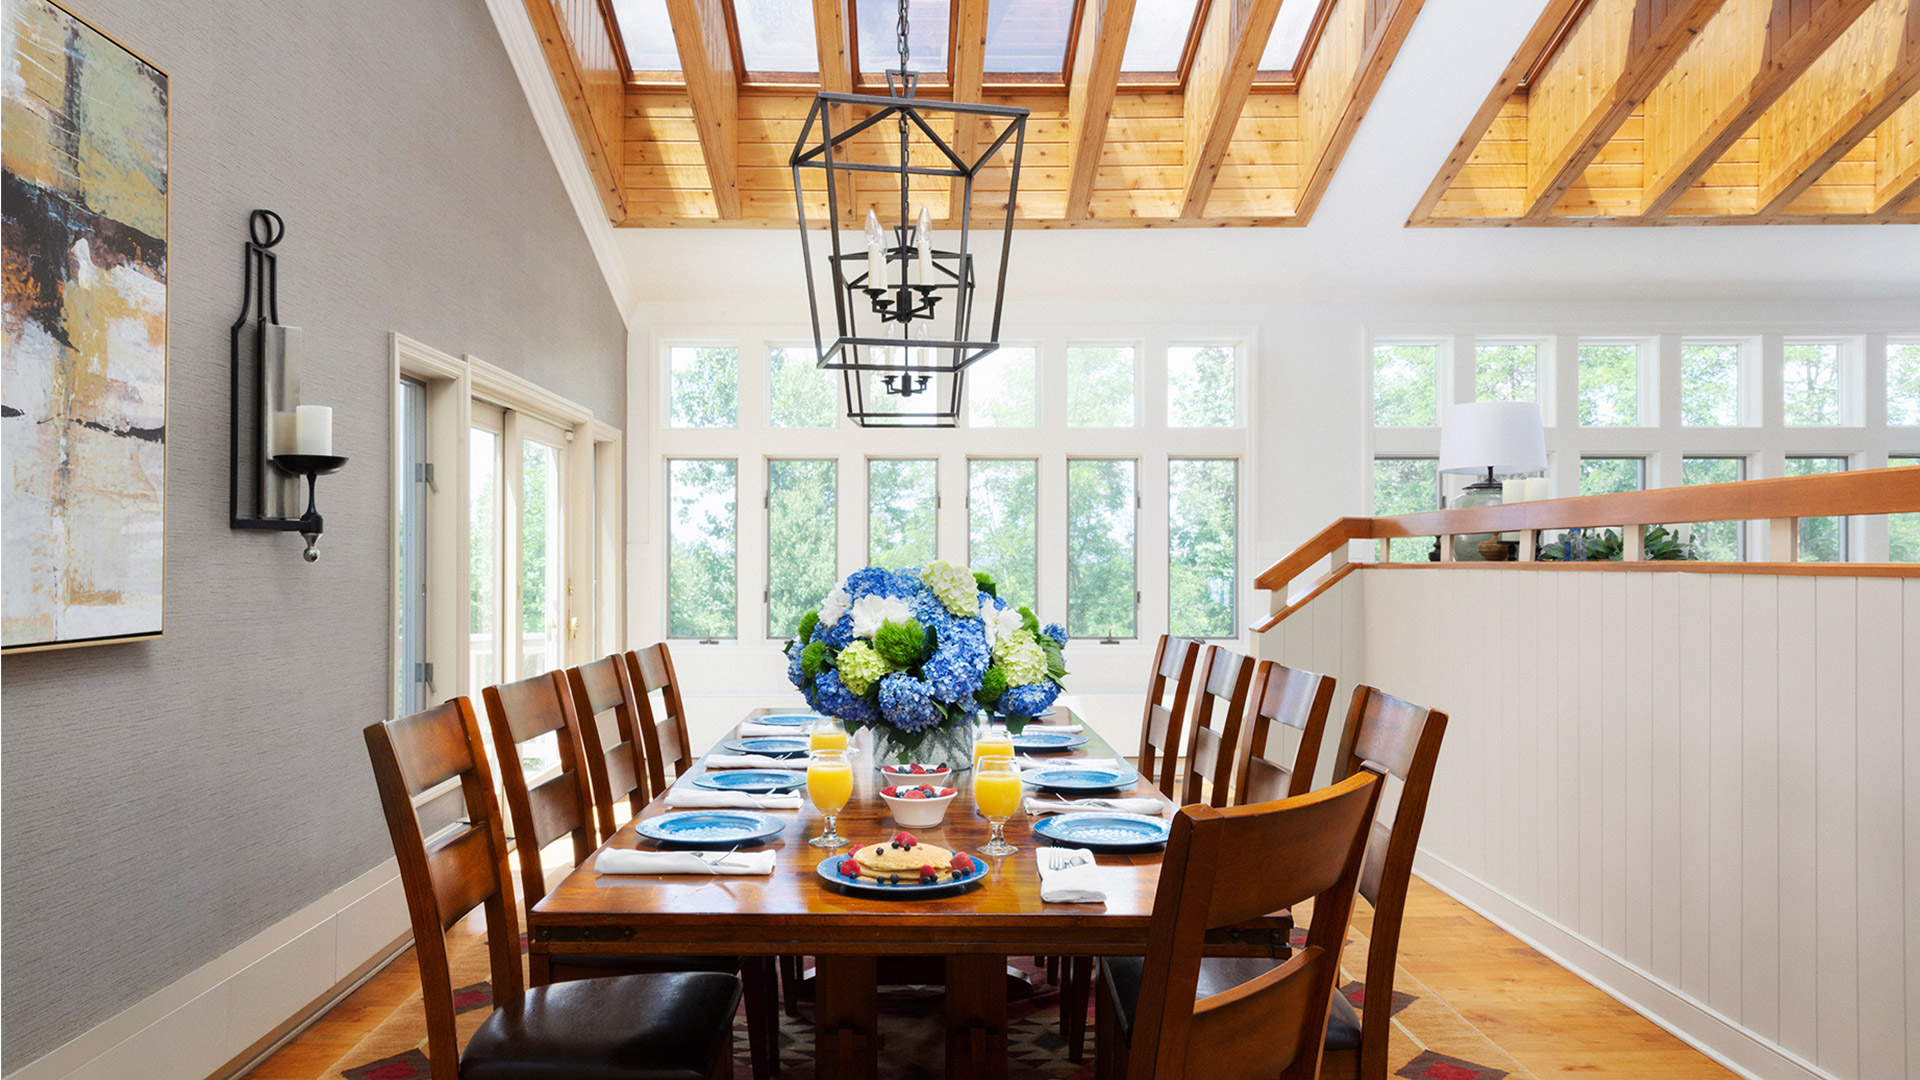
1537 489
1513 491
923 246
313 430
876 254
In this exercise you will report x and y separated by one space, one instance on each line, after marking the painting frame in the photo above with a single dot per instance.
145 568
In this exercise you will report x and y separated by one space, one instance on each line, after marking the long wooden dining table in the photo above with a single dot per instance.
793 913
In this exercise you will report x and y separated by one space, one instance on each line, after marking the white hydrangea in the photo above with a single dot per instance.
835 605
1000 622
870 611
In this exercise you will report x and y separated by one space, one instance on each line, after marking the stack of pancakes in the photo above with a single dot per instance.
891 864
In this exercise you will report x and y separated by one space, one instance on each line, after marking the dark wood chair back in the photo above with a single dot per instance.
600 691
1160 725
462 870
663 728
1299 700
520 712
1403 739
1275 1023
1214 736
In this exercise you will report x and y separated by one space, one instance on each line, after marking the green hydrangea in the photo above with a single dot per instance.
812 658
1022 658
807 622
985 583
1029 620
861 667
901 644
992 685
954 585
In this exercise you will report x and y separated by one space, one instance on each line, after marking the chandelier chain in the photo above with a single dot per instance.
903 38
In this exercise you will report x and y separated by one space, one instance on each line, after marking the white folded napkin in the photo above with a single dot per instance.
749 729
1027 762
693 798
629 861
1151 807
1078 884
753 761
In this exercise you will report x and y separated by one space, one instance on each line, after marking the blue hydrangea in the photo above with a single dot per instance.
908 702
793 666
834 699
871 581
955 668
838 635
1029 700
1057 632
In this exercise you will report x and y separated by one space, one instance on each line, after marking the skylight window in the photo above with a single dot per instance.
777 36
927 30
1028 37
1157 41
1290 29
647 34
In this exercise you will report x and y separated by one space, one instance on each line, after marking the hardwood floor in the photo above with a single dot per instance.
1550 1020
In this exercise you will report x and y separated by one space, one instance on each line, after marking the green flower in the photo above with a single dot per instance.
992 685
813 658
901 644
1022 658
1030 620
954 585
860 667
985 583
807 622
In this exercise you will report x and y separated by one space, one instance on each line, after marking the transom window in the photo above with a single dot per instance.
1810 382
1506 371
1610 381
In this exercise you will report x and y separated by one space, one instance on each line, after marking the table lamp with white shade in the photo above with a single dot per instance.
1489 440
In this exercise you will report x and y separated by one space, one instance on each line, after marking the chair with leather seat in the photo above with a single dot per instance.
1156 1023
558 807
634 1027
1290 698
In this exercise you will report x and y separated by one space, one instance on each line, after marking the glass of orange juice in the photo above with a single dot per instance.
997 792
829 785
992 742
827 733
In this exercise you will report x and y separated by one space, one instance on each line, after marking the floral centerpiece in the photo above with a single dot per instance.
915 654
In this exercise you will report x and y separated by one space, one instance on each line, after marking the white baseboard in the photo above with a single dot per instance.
201 1023
1691 1020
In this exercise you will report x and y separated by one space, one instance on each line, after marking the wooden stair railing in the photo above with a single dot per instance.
1782 502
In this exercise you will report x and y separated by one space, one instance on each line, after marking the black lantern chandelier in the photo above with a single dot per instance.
904 307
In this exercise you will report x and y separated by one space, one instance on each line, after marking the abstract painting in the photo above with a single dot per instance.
83 383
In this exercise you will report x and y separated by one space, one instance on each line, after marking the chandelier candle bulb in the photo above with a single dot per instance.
313 430
876 254
923 244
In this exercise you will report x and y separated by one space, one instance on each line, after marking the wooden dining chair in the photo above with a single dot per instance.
1155 1023
663 730
1213 738
634 1027
1160 724
1292 698
599 690
1404 739
557 807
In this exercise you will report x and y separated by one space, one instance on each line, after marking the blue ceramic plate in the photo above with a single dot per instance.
1035 741
700 828
786 719
1069 779
756 781
771 745
916 891
1105 832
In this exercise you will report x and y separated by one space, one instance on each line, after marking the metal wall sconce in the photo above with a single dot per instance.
289 440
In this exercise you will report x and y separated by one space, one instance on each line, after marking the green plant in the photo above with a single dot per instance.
1607 545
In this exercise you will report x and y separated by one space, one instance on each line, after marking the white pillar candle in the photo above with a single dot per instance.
923 246
1537 488
876 254
1513 491
313 430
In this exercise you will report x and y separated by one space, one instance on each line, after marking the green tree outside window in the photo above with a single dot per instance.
1003 538
1202 548
1100 384
1506 372
1610 476
703 387
802 540
1716 541
1903 384
902 512
1822 539
1200 386
1609 385
1810 381
1404 485
800 393
1405 385
1710 375
1903 530
1002 389
1102 523
701 525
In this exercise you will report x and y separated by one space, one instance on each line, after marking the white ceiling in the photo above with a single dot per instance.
1357 246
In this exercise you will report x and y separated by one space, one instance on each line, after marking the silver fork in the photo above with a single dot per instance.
1059 858
715 858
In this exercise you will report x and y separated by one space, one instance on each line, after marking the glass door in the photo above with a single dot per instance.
485 658
539 587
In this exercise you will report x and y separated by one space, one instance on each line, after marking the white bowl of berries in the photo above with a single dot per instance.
918 806
909 775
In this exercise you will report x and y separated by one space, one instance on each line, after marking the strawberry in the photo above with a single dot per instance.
962 863
905 839
850 867
918 769
928 875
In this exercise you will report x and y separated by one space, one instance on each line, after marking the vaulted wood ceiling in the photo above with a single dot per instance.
1225 121
1670 112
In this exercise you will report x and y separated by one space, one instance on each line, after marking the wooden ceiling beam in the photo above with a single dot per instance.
1859 85
706 62
969 71
1897 159
1795 39
1658 32
1102 42
832 39
1545 33
593 96
1225 60
1349 64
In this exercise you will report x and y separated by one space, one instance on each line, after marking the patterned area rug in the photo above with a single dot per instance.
1430 1040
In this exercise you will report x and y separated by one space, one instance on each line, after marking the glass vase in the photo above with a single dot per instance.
951 745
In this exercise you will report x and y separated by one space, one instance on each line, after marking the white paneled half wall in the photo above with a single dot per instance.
1687 787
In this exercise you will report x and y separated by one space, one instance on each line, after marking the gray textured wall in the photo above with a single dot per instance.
165 801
